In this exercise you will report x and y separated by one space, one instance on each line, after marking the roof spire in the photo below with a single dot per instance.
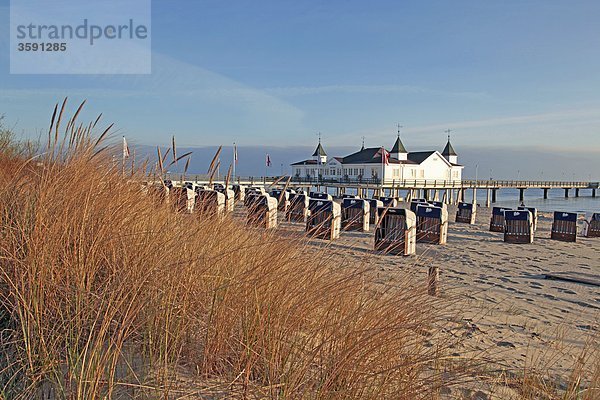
398 147
448 150
319 150
363 143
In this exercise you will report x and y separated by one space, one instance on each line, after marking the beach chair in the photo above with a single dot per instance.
564 226
158 192
229 198
439 204
298 209
210 203
591 226
324 219
396 231
497 219
534 214
518 226
417 202
392 202
283 199
182 199
250 190
432 224
262 211
320 196
240 192
466 213
355 214
374 204
350 196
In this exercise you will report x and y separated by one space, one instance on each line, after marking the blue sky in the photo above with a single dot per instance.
498 73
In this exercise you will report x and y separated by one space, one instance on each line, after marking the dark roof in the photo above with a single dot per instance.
319 151
306 162
370 155
419 156
398 147
449 150
361 156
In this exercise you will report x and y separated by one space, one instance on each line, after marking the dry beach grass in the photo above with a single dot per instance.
107 294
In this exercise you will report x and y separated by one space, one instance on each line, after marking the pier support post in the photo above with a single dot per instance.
488 198
521 194
566 193
448 196
545 193
494 195
436 195
460 195
426 194
577 192
593 192
474 195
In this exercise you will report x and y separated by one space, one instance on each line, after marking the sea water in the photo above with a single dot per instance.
556 200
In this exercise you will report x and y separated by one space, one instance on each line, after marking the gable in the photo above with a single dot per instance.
428 158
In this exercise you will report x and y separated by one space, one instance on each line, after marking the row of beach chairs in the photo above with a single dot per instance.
325 218
519 225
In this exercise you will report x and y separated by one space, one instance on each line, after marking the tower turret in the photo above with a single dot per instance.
319 155
448 152
398 150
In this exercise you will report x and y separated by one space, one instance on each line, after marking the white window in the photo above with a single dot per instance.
421 173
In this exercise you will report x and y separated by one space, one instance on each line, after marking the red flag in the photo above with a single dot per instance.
385 156
268 161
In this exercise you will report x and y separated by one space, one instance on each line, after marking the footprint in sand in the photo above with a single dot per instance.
566 291
505 344
584 304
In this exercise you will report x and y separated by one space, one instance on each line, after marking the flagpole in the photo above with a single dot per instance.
123 157
382 157
234 160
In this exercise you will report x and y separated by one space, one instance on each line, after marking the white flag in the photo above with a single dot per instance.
125 149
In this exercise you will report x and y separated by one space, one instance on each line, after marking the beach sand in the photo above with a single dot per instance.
509 313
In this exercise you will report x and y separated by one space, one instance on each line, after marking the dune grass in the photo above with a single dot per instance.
107 293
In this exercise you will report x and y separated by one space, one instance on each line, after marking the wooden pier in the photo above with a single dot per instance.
447 191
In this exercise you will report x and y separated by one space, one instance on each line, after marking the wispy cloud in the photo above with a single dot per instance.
573 129
291 91
558 116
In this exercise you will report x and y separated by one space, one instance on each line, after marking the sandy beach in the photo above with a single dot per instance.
510 314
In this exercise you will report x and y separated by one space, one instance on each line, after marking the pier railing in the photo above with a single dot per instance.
410 183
